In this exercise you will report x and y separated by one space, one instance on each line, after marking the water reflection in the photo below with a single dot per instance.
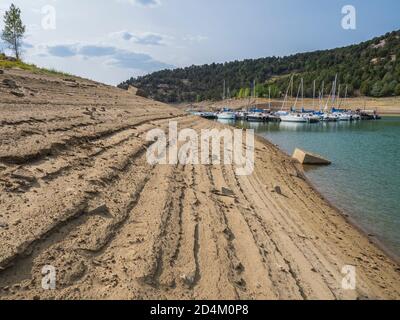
294 126
225 121
306 127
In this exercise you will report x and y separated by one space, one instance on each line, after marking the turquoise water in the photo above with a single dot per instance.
364 179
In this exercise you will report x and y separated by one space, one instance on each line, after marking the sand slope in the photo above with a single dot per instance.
77 193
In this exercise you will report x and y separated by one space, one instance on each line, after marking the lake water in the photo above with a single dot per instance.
364 179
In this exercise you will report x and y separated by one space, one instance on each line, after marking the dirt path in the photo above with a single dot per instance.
76 192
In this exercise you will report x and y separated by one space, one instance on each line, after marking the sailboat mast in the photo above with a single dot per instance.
338 98
330 97
322 95
302 94
297 97
313 98
287 92
345 95
334 91
250 95
291 89
269 97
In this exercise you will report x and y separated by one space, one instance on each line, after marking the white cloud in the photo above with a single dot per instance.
196 38
143 3
112 55
147 38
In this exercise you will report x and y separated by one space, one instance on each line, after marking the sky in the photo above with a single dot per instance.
113 40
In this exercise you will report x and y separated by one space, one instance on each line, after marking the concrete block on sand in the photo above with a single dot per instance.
305 157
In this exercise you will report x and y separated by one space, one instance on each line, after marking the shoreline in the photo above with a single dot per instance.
347 219
347 216
79 194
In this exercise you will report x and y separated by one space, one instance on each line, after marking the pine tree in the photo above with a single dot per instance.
14 30
377 89
397 90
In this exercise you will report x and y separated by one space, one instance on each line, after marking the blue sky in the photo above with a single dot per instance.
111 40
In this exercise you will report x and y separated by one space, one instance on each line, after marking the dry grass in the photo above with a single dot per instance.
7 64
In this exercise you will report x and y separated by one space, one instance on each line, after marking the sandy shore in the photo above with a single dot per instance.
78 194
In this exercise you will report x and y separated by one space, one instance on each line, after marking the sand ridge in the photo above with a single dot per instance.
77 193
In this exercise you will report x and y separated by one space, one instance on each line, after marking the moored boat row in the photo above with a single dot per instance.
329 111
293 116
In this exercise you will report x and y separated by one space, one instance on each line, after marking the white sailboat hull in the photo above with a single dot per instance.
344 117
226 116
293 118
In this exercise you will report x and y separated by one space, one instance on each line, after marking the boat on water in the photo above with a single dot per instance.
281 113
273 118
255 117
226 115
208 115
293 117
329 117
241 115
345 116
311 117
369 115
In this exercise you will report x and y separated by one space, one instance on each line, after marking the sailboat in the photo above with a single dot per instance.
319 114
328 116
269 98
311 116
341 114
295 116
255 114
346 115
271 116
226 113
282 112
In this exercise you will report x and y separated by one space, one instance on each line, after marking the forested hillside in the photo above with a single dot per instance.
370 68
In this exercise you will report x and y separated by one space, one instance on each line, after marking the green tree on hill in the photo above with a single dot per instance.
240 94
365 88
14 30
377 89
365 68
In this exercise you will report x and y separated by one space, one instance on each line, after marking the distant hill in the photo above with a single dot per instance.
371 68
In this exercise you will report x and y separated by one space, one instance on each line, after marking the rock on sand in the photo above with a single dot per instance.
305 157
